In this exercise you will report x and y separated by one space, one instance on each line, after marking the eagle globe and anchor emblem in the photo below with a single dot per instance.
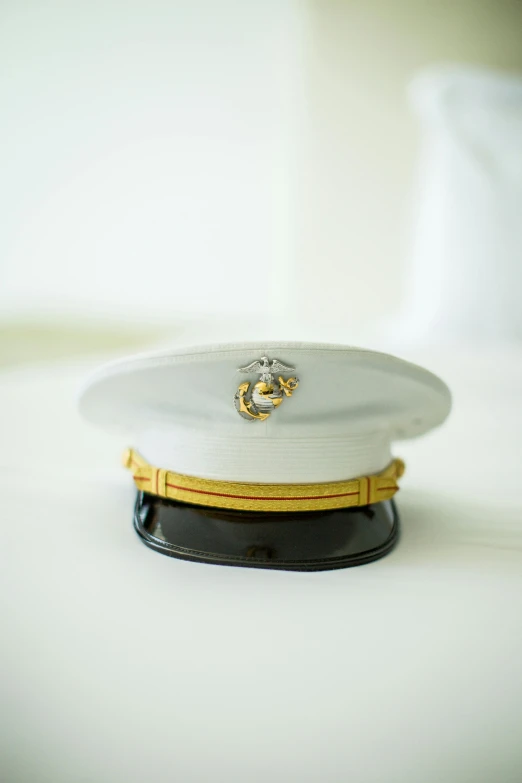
267 393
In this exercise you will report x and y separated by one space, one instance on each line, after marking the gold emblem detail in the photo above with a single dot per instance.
268 393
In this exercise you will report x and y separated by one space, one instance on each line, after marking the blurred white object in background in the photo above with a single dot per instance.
466 281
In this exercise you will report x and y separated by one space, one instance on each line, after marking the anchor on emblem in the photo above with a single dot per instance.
267 393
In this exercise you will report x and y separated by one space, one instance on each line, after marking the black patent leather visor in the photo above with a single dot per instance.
304 541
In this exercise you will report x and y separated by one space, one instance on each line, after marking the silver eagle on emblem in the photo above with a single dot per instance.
268 393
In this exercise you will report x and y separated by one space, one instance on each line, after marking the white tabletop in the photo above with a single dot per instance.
122 665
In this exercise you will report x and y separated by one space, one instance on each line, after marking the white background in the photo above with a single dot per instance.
174 159
166 162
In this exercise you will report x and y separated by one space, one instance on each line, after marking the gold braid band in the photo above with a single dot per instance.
263 497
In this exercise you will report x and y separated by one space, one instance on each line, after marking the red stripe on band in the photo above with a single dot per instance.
254 497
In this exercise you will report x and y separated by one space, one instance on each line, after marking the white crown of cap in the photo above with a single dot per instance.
176 408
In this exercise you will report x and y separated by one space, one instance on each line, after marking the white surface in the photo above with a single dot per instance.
176 408
120 665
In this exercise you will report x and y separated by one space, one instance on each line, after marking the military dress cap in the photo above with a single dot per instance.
275 455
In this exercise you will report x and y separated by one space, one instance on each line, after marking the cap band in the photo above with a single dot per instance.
263 497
